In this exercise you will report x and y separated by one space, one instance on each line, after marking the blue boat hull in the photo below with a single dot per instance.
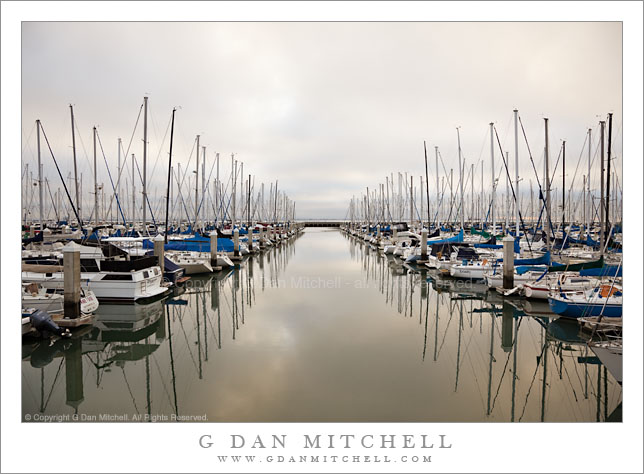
578 310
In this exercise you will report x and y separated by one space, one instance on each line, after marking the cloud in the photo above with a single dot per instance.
325 108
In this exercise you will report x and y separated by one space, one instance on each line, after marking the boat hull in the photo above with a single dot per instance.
573 309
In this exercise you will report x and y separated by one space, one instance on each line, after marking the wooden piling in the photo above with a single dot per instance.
423 245
71 271
213 248
508 262
506 327
159 251
236 242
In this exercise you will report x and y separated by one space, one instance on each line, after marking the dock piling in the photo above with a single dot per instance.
72 271
508 262
213 248
159 251
236 242
423 245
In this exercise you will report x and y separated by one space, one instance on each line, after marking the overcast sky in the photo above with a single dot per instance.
325 108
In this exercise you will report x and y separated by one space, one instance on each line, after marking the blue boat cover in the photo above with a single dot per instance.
456 238
194 245
543 260
521 269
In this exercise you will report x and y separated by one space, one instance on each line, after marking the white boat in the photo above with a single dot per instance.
132 285
541 288
471 270
192 262
610 355
36 296
494 279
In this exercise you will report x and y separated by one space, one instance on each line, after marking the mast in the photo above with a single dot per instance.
563 190
275 214
481 200
118 180
601 187
493 178
507 195
427 185
546 222
78 203
80 185
233 167
610 132
451 194
203 185
388 209
241 193
248 205
167 194
516 171
472 196
590 205
263 216
217 190
584 201
197 185
145 162
411 201
531 206
96 209
39 175
460 166
438 197
133 194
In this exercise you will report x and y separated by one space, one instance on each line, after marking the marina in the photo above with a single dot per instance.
215 302
323 328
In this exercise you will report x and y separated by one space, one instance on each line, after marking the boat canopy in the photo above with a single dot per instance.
542 260
456 238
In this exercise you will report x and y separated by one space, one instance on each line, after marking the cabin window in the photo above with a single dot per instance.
116 276
156 271
146 274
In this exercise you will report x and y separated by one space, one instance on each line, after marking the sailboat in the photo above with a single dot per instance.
604 300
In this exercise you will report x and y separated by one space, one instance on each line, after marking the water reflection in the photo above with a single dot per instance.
545 369
382 342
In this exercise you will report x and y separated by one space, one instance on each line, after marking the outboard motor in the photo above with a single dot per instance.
42 322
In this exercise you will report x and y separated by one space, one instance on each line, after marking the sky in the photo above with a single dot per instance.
327 109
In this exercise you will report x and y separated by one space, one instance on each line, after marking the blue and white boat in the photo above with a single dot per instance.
604 300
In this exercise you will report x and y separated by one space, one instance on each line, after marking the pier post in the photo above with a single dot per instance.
395 233
159 251
32 230
71 273
423 245
213 248
73 356
236 242
508 262
506 327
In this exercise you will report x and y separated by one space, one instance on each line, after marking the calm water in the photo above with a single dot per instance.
322 329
